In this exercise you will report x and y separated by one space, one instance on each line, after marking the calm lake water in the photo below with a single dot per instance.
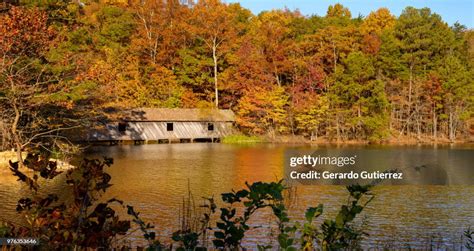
156 178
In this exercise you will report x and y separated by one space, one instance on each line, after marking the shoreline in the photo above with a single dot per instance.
6 156
295 139
287 141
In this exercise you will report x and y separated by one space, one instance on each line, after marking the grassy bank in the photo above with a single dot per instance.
242 139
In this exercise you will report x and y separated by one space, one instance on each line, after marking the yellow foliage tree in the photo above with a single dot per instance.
376 22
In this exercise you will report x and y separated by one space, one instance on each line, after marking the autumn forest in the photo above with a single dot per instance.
338 77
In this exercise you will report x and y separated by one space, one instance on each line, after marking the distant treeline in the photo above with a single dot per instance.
338 76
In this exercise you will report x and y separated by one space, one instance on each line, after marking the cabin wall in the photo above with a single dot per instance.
158 130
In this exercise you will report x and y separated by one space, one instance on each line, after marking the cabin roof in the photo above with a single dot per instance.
178 114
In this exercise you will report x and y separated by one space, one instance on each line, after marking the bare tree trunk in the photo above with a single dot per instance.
292 122
418 121
334 56
418 126
392 118
410 86
450 126
214 57
338 134
4 136
15 135
314 134
435 125
410 90
277 77
153 46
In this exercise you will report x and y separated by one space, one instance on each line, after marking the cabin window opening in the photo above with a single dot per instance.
169 127
210 126
122 127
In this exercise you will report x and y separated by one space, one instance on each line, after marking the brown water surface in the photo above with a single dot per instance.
154 179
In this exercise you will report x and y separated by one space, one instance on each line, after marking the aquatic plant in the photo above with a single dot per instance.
239 207
469 235
194 224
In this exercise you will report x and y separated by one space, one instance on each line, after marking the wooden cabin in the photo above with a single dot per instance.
164 125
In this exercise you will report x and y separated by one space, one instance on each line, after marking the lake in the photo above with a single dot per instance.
436 206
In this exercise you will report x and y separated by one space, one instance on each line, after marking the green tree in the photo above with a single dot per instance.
362 97
419 44
458 86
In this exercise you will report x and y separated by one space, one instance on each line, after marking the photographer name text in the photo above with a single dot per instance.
307 162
